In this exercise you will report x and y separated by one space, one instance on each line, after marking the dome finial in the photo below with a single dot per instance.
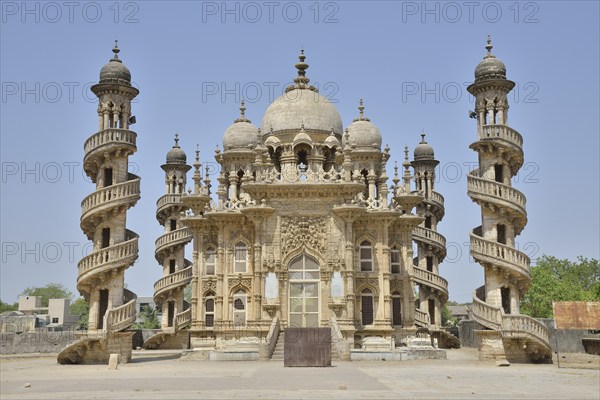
176 146
116 50
361 112
423 136
489 46
242 117
301 80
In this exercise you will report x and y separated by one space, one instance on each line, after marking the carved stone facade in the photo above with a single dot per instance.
305 231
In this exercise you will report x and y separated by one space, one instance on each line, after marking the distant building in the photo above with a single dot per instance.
55 315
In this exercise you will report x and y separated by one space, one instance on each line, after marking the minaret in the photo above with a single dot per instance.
103 220
170 247
503 215
431 246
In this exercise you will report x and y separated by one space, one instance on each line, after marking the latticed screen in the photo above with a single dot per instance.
396 311
209 315
367 308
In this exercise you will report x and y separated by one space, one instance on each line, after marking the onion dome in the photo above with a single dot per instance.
241 134
491 67
423 151
362 132
176 155
301 104
115 71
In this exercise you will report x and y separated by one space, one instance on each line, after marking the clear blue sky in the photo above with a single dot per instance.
408 60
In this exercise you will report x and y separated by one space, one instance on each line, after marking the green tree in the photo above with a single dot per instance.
8 307
149 319
187 293
50 291
447 318
560 280
81 308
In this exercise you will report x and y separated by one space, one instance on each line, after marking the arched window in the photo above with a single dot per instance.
210 261
240 258
239 308
209 310
366 307
395 260
396 309
366 256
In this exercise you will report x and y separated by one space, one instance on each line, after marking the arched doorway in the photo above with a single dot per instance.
304 280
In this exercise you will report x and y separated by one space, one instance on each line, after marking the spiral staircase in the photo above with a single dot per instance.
506 202
172 285
103 266
437 285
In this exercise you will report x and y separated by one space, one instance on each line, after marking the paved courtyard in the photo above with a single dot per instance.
159 375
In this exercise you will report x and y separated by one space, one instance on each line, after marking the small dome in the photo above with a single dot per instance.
423 151
332 141
491 67
241 134
115 71
176 155
301 104
273 141
362 132
302 137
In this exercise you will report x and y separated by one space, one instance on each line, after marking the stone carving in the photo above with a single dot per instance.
303 231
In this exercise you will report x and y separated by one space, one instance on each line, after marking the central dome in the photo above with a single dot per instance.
301 105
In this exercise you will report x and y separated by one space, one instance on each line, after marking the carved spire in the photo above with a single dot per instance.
196 178
361 112
242 117
301 81
489 48
116 50
406 165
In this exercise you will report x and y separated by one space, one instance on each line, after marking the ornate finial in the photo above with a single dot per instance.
116 50
489 45
405 155
301 81
176 145
196 177
302 127
396 178
361 112
242 117
423 137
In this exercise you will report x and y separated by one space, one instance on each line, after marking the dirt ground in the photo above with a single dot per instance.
162 375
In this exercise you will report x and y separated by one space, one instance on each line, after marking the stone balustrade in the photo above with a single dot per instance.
183 319
487 315
108 194
182 235
429 235
113 254
178 278
430 279
121 317
479 185
167 200
421 318
509 256
501 132
529 326
109 136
